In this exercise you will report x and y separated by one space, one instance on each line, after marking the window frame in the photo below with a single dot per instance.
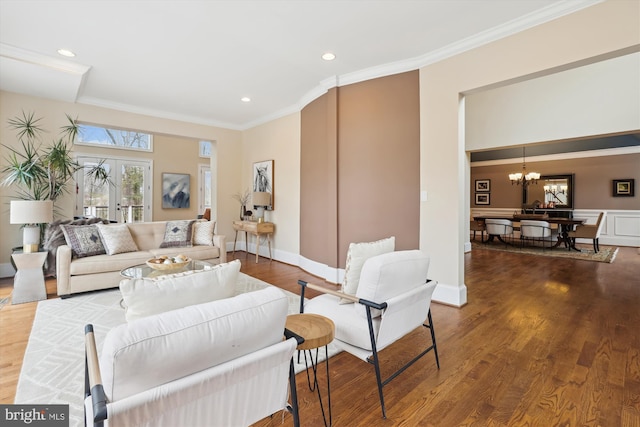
117 147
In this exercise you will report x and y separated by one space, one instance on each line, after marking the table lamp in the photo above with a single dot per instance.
31 213
260 201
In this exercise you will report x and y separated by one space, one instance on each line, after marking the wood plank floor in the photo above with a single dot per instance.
542 342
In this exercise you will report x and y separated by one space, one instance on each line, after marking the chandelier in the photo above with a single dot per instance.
523 177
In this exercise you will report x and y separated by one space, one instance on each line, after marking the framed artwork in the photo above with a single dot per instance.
175 190
205 149
483 199
483 185
263 179
623 187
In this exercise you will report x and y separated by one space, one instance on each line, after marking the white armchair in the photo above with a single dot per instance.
540 231
220 363
393 298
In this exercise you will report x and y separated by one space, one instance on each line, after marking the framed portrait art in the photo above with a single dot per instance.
263 179
623 187
483 185
175 190
483 199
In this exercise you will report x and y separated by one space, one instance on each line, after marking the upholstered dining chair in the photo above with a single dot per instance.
589 231
540 231
392 299
477 226
502 228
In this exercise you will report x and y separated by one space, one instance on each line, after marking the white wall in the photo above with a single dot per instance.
594 99
278 140
587 34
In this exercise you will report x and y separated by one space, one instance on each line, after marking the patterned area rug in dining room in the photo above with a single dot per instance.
605 254
53 366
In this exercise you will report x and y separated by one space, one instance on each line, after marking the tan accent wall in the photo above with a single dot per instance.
593 181
360 167
318 180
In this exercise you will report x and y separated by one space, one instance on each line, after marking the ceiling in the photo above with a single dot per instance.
195 60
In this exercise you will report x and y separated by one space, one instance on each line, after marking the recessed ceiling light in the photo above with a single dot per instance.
245 99
66 52
328 56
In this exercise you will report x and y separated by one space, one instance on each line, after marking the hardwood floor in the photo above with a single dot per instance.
541 342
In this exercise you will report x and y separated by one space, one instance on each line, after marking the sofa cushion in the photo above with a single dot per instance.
145 297
116 238
84 240
107 263
178 233
148 352
202 252
388 275
203 233
356 256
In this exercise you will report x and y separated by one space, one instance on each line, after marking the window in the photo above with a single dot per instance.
115 138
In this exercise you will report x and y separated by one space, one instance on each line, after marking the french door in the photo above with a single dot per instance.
127 198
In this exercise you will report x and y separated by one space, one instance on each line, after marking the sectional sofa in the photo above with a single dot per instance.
78 273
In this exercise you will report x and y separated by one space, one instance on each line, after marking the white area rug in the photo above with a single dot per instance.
53 365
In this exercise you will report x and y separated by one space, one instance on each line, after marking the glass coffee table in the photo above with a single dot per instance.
142 271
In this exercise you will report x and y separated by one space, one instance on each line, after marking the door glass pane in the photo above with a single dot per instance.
132 193
207 188
95 194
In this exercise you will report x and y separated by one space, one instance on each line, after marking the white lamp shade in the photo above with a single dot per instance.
31 211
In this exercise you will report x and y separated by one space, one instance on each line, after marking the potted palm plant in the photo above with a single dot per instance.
43 171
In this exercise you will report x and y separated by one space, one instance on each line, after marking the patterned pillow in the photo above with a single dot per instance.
203 233
84 240
356 256
178 233
116 238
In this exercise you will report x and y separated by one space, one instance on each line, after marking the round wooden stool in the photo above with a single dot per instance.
317 331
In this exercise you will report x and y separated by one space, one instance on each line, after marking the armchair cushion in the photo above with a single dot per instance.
145 297
356 256
388 275
156 350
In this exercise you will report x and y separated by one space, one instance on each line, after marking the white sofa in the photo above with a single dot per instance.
75 275
221 363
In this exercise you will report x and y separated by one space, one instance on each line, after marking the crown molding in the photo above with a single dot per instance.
549 13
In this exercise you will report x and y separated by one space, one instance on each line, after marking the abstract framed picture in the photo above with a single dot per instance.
263 179
483 199
623 187
483 185
176 190
205 149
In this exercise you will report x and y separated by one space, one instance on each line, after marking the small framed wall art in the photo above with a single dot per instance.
175 190
263 179
483 185
483 199
623 187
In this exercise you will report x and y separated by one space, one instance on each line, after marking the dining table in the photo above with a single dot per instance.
565 224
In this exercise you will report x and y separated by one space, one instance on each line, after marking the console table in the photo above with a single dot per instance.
257 229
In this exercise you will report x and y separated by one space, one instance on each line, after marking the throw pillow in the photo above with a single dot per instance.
178 234
203 233
84 240
116 238
145 297
356 256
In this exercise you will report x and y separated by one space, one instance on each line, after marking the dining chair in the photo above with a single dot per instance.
589 231
477 226
537 231
501 228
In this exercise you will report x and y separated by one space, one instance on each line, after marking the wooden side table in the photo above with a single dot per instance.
28 283
257 229
317 331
